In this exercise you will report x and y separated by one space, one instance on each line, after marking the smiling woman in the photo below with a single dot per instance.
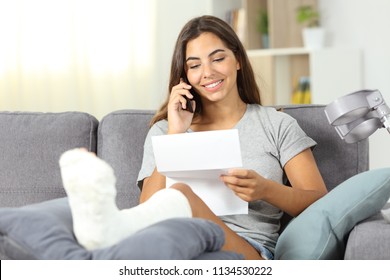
212 68
75 55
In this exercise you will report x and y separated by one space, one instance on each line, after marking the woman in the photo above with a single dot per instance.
210 73
210 67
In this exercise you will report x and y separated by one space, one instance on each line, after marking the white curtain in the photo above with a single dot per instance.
94 56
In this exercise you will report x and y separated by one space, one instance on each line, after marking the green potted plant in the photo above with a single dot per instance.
308 16
313 34
262 27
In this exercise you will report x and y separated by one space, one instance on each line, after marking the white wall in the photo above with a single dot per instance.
364 24
357 23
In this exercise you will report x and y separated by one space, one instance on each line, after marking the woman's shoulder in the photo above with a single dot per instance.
266 112
268 118
158 128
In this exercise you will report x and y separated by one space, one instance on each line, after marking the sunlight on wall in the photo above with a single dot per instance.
85 55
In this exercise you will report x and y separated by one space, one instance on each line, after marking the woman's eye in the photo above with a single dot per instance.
194 66
219 59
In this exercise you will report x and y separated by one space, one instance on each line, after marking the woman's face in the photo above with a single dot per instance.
211 68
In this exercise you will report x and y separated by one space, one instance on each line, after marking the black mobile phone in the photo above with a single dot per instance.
192 91
189 105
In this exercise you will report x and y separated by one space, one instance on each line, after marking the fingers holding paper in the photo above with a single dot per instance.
245 183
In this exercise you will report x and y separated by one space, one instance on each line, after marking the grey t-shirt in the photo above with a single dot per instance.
268 139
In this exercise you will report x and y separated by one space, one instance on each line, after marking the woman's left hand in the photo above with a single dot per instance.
247 184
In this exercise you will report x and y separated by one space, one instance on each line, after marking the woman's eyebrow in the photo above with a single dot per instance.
211 54
216 51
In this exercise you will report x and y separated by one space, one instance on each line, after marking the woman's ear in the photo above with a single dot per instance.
238 66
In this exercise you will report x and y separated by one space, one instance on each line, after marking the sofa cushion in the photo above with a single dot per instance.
44 231
321 231
121 137
31 144
369 239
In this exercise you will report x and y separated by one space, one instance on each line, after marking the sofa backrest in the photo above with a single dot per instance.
121 137
336 159
31 144
30 147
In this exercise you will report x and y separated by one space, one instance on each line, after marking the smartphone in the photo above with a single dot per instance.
192 91
189 105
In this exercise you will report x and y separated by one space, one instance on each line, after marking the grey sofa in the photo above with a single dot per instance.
31 144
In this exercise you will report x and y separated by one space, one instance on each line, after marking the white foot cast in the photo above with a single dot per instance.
97 222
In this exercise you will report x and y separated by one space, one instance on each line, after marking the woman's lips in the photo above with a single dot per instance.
213 86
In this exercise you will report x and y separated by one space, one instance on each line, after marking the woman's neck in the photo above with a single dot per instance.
219 116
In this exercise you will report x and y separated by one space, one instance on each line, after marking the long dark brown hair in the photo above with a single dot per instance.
246 83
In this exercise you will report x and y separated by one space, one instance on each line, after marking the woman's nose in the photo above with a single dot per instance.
207 71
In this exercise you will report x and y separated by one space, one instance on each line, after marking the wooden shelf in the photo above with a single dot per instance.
284 30
332 72
277 52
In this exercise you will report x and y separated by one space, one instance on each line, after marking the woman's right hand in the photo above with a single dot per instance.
179 119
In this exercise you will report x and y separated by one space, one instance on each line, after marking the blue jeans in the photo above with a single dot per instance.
263 251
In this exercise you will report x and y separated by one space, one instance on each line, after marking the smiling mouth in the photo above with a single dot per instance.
213 85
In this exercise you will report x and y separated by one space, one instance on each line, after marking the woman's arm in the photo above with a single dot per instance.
303 174
179 120
307 185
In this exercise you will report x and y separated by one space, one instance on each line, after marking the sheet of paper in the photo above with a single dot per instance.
198 159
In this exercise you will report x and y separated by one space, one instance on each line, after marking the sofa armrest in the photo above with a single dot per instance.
370 239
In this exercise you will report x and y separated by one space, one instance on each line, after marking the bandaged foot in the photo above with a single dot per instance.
97 222
386 214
